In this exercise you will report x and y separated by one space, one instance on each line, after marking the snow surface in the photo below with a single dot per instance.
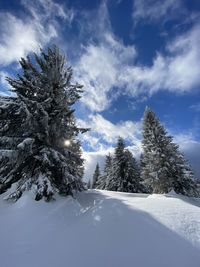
101 229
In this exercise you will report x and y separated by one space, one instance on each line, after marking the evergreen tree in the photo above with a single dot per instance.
89 184
115 183
198 185
183 182
96 176
145 186
123 172
163 167
132 182
107 174
39 130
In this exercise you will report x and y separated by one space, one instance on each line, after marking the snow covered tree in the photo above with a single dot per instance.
89 184
146 187
198 185
118 174
132 182
163 167
96 176
123 174
107 173
39 130
183 182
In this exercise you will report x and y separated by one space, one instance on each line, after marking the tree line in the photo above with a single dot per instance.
162 167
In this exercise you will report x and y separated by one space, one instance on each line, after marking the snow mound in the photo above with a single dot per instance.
100 228
172 193
156 196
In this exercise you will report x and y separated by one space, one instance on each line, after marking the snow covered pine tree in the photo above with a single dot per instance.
88 184
163 167
107 173
38 129
115 182
125 173
96 176
132 181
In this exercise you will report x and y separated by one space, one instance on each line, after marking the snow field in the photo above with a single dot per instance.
101 229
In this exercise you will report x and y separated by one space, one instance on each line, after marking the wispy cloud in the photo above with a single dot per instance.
48 9
196 107
101 61
108 68
104 133
36 28
170 72
154 10
98 70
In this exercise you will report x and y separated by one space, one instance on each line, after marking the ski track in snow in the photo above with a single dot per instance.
101 229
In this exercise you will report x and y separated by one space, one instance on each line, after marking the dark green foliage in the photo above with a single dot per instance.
132 182
163 167
124 172
89 184
107 173
96 176
35 126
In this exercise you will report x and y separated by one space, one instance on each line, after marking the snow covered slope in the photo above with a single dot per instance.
101 229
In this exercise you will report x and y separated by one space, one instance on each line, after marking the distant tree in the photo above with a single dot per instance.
96 176
146 188
115 183
38 130
163 167
184 182
198 185
89 184
123 175
107 173
132 182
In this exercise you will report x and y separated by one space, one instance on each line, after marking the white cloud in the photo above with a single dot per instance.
98 70
101 59
172 72
196 107
5 87
105 65
21 35
154 10
108 132
185 52
108 68
48 9
18 38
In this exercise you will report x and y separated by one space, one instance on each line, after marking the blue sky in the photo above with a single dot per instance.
127 53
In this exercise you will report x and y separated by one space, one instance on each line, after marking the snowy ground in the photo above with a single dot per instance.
101 229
